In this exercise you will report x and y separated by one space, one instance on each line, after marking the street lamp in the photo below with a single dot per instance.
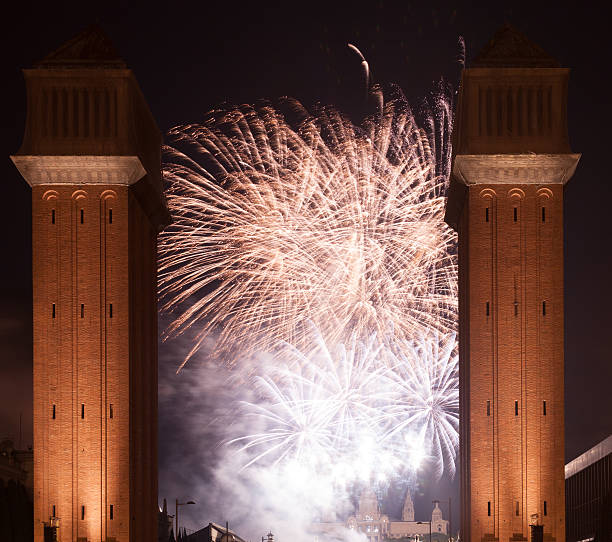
423 523
176 514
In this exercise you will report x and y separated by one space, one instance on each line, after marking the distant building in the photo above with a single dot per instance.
17 465
16 509
213 533
377 526
588 495
164 524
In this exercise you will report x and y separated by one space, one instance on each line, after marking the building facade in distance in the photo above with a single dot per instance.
371 522
16 487
216 533
588 495
17 465
511 160
91 153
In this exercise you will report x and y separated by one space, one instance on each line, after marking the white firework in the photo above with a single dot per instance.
425 374
362 412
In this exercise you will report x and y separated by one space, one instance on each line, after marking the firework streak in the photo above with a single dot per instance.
304 236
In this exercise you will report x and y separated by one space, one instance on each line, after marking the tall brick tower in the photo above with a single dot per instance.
512 158
91 153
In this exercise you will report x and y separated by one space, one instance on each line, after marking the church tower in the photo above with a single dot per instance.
511 160
408 508
91 153
368 505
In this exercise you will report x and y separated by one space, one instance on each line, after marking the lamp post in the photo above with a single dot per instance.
423 523
176 515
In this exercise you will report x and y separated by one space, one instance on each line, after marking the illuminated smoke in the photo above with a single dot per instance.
358 413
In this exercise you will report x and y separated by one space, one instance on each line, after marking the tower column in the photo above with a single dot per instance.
511 161
91 155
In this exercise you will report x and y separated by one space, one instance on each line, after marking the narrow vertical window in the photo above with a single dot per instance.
487 308
516 408
82 512
517 508
110 310
53 412
545 509
110 411
53 510
82 216
112 512
82 310
544 408
516 308
487 214
52 310
488 408
543 308
515 214
82 411
110 216
52 216
489 508
543 214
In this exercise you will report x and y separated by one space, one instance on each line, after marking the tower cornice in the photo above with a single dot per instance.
472 169
76 170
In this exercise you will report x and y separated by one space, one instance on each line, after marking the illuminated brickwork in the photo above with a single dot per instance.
511 161
91 155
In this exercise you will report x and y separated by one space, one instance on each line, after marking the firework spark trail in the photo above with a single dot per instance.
361 412
277 222
425 374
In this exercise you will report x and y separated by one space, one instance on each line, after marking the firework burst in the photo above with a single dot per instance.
363 412
425 375
279 221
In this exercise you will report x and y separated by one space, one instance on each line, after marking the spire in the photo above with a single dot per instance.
408 510
510 48
91 48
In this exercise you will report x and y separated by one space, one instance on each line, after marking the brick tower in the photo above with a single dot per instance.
511 161
91 153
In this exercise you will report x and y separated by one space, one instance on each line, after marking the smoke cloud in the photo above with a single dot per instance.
199 412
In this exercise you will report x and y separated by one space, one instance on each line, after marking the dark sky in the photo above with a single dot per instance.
188 57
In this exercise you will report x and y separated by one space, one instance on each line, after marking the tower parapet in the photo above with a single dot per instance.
408 508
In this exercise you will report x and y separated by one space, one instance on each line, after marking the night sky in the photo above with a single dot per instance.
188 57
